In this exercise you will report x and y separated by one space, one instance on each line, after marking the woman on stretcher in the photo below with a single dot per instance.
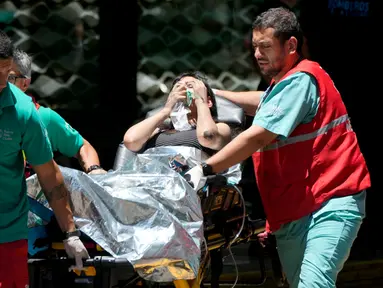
191 107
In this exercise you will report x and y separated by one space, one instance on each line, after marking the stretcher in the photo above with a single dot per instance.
226 223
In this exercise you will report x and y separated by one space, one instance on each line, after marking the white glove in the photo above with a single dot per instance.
76 249
195 177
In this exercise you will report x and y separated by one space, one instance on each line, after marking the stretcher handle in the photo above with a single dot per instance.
98 261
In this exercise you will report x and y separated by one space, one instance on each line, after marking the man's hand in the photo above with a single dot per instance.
76 249
195 177
247 100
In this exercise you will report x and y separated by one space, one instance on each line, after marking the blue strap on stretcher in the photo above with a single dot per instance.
38 232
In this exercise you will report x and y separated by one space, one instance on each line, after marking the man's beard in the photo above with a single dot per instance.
273 70
271 73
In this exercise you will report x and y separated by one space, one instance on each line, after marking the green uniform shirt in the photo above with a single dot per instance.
62 136
20 129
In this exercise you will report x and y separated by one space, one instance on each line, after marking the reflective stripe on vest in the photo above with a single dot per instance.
308 136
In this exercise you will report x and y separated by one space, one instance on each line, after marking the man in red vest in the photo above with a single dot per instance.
310 171
63 137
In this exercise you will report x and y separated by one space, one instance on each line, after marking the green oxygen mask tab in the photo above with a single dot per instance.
189 97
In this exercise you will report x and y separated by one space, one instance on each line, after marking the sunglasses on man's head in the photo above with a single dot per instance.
12 78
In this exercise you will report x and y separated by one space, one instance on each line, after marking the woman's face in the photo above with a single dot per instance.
189 82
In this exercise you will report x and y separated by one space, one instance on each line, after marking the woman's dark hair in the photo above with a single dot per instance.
198 75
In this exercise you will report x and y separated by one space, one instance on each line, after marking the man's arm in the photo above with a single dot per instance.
38 151
52 183
248 100
240 148
87 156
70 143
293 101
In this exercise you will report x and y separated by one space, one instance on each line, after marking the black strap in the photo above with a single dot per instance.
93 167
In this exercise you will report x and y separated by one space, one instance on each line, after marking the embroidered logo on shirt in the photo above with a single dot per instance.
276 110
6 134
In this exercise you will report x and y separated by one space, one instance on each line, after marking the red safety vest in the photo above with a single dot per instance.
318 161
35 102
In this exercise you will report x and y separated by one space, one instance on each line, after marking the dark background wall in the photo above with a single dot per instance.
210 36
91 83
63 39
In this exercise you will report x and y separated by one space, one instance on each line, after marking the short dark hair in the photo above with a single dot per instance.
284 22
198 75
6 46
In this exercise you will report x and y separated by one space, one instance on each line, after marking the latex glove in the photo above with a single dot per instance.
195 177
97 171
76 249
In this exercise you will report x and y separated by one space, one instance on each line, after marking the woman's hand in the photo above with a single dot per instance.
200 91
178 94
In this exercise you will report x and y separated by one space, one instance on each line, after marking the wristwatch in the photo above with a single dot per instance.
72 233
93 167
207 169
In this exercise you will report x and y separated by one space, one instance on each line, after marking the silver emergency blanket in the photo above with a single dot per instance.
144 211
233 174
